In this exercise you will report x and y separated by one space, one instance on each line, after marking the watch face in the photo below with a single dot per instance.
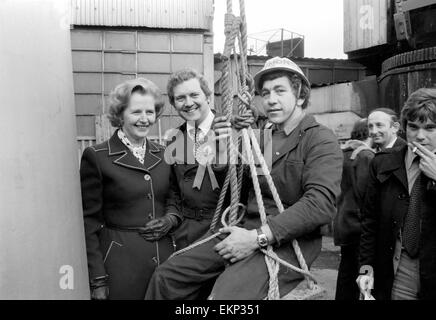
262 240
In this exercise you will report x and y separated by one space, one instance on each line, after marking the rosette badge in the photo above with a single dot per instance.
205 157
205 154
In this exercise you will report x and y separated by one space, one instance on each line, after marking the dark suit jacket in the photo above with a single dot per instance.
386 205
346 228
118 192
186 200
399 143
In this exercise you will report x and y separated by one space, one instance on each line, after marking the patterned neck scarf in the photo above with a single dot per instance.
138 152
198 137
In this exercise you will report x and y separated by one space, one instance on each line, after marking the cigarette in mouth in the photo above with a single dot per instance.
414 149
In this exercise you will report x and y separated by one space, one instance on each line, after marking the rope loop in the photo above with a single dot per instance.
234 222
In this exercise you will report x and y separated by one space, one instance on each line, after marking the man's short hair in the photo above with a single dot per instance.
183 75
388 111
360 130
421 106
294 80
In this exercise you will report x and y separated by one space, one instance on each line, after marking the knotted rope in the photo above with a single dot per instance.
236 28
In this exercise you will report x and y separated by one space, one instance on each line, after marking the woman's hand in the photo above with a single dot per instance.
100 293
100 288
158 228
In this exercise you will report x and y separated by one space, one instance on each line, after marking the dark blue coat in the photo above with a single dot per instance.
119 192
386 205
196 206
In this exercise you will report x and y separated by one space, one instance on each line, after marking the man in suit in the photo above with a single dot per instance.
198 187
384 126
306 166
398 241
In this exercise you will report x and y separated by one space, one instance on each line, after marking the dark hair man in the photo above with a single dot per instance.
399 218
306 170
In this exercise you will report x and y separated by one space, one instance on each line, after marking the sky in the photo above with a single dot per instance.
320 21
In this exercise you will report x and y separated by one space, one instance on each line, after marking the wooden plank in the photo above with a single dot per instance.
119 62
120 40
88 104
187 42
180 61
208 64
154 63
85 125
154 41
87 82
86 61
86 39
103 128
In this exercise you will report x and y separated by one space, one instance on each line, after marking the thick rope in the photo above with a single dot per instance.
273 267
223 222
219 207
277 200
237 28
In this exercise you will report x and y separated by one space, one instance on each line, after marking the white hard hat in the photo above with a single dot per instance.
278 63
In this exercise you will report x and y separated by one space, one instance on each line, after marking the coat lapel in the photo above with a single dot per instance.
183 147
126 159
151 158
394 165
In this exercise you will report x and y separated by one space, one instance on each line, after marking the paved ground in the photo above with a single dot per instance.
325 268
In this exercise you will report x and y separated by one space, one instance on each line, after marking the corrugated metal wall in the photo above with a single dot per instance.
174 14
319 72
365 24
105 57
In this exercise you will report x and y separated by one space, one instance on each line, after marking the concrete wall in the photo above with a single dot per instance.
42 247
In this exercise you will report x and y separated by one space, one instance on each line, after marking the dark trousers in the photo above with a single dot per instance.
185 275
346 286
190 231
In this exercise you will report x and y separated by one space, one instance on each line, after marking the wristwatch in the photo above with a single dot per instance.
262 239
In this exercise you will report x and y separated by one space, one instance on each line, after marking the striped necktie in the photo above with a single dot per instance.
412 221
198 139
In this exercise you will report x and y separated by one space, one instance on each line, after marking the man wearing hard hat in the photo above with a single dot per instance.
306 167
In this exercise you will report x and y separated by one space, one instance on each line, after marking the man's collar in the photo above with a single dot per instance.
410 156
204 126
391 144
290 126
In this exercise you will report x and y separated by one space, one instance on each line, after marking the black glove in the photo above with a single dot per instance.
157 228
99 288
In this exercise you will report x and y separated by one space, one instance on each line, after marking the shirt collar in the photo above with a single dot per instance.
289 127
391 144
410 156
204 126
127 143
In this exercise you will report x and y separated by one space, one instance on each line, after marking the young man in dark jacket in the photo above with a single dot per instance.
398 241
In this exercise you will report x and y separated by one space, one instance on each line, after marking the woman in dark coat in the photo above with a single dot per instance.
125 186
